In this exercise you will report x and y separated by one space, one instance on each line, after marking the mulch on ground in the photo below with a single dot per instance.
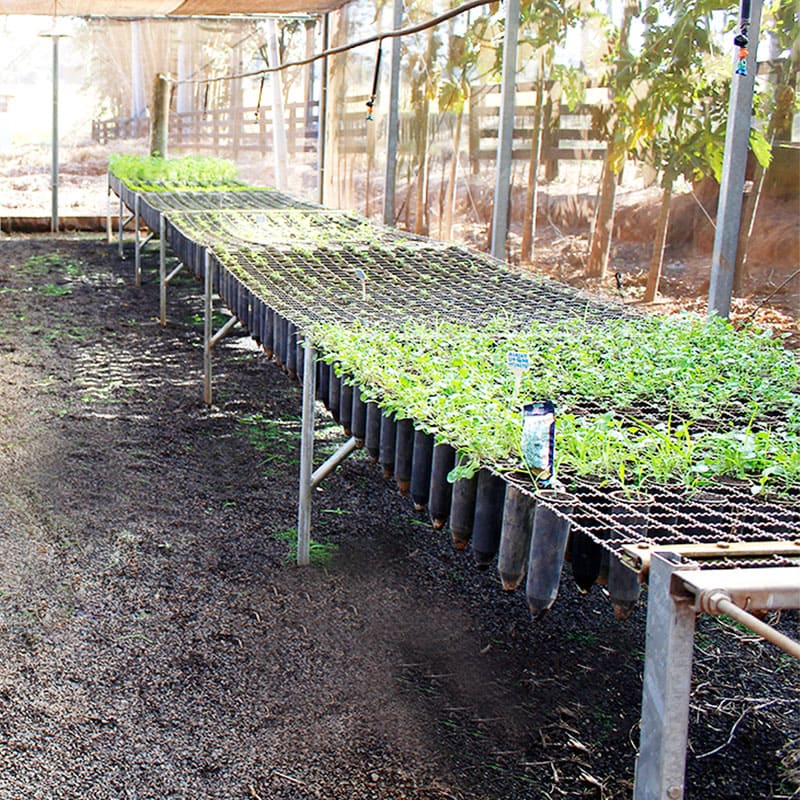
157 641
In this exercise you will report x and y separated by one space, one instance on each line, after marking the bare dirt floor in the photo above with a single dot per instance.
157 641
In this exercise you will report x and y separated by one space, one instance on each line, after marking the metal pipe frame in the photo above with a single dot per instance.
677 593
108 216
310 478
505 135
333 461
123 221
208 310
210 338
306 455
139 243
164 279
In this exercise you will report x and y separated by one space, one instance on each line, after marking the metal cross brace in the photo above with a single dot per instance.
310 478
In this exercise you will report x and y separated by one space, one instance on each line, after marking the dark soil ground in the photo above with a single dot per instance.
157 643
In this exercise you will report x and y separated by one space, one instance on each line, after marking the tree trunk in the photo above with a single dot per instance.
600 247
532 194
159 130
659 243
603 226
422 170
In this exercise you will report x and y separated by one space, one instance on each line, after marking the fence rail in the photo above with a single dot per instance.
567 131
234 130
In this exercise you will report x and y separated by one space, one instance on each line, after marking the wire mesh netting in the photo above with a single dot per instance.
282 265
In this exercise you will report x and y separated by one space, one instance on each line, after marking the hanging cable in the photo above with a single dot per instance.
263 51
205 102
422 26
375 79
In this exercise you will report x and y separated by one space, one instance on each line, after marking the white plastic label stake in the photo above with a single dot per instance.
518 363
362 276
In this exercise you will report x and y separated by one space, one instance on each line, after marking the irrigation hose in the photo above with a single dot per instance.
719 602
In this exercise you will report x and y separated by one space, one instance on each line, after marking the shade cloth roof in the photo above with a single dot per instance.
154 8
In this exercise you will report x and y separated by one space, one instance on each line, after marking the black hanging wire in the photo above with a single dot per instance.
375 78
263 51
741 39
205 102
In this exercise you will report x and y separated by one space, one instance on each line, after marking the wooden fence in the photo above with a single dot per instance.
567 132
222 130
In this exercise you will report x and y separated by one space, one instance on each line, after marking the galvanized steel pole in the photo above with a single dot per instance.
306 456
207 327
731 190
162 270
54 36
278 117
506 132
54 212
661 765
393 122
322 134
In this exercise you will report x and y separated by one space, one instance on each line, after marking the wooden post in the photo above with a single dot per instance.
159 132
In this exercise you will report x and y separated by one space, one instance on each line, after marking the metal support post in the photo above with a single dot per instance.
207 328
162 270
322 135
306 455
393 122
54 170
278 118
121 225
108 216
137 250
505 137
661 765
731 190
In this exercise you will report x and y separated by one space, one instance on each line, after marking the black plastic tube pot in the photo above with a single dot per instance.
358 416
291 350
403 454
630 515
334 393
372 438
388 438
704 514
258 317
587 552
462 511
268 333
323 380
551 525
515 538
421 469
346 407
267 341
277 338
441 491
489 502
300 350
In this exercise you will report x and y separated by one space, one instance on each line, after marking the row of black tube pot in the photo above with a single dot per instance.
497 519
528 534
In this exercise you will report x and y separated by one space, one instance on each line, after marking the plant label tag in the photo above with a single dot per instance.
362 276
539 438
518 361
